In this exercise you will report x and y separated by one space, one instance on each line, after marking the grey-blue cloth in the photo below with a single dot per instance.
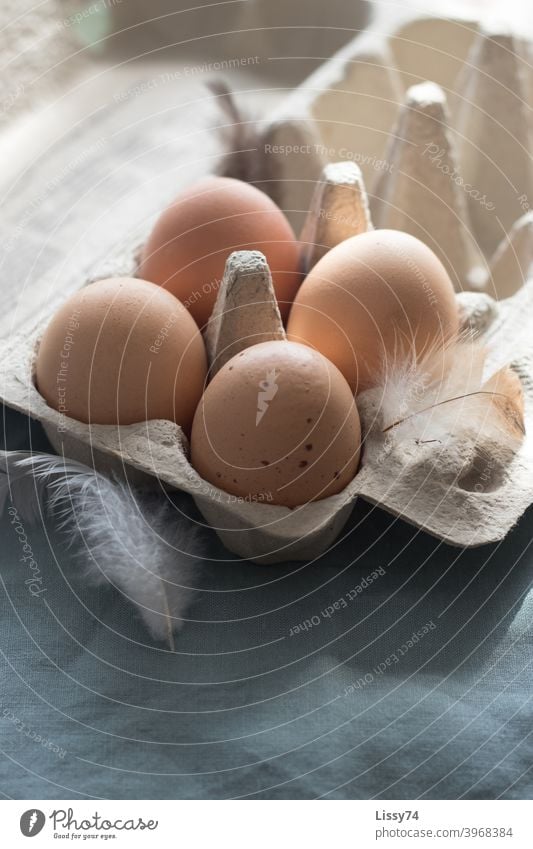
395 667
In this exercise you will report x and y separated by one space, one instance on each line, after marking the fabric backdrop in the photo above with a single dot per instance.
256 703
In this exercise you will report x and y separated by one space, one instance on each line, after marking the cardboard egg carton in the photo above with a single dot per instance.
433 116
452 501
438 115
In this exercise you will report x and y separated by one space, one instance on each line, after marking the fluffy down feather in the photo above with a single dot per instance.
124 536
447 393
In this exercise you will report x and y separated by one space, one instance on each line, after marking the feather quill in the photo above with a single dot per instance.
446 393
125 535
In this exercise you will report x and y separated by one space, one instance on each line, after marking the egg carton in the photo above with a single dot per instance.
452 501
419 109
437 112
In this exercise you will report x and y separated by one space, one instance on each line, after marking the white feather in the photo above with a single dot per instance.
138 544
445 395
25 490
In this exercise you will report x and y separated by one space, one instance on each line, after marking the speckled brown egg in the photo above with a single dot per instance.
120 351
277 424
192 239
372 301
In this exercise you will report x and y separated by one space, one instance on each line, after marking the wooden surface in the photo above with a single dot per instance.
98 188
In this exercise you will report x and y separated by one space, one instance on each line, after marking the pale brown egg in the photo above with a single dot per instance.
372 301
277 424
191 241
121 351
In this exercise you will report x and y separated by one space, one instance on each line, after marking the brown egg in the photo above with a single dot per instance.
122 351
373 300
191 241
277 424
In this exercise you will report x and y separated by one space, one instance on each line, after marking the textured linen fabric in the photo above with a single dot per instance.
277 688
